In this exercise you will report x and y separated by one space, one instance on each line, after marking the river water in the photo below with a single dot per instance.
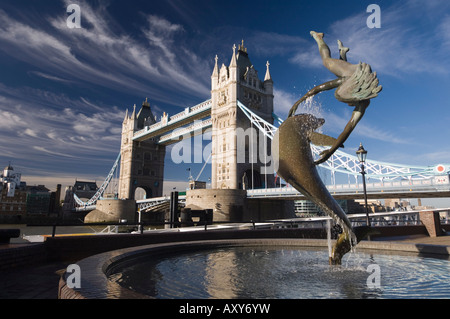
47 230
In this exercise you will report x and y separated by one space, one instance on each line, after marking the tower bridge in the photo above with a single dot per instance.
241 101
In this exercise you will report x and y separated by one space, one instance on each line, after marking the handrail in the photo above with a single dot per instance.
254 224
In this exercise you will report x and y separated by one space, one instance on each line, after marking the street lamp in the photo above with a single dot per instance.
362 155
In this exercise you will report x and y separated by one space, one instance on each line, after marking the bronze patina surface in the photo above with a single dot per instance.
355 85
293 158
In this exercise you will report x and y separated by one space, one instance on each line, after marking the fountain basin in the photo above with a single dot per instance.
101 275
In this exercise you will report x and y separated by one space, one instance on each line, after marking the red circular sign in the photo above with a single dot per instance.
440 168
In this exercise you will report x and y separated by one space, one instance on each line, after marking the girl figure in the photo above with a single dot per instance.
355 85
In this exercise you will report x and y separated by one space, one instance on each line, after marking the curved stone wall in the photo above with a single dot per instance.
233 205
95 269
112 210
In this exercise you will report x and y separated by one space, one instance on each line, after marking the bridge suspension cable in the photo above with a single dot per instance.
101 190
349 164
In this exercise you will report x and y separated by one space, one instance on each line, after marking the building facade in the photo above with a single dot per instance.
19 201
141 163
240 153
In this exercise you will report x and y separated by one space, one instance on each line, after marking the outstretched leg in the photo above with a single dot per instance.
340 68
342 50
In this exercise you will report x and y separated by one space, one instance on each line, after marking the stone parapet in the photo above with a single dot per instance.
431 221
234 206
227 204
112 210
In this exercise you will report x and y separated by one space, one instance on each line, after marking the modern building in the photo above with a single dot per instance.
13 199
350 206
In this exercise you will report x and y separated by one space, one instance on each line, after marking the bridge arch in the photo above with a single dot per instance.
251 179
143 192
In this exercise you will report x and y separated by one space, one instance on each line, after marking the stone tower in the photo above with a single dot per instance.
141 163
238 159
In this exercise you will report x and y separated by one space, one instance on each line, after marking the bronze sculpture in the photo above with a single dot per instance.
295 164
355 85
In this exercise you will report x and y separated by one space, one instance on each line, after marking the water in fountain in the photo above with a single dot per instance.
284 273
313 107
330 249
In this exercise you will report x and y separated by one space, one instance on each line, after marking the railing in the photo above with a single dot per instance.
149 203
188 112
404 218
174 136
428 185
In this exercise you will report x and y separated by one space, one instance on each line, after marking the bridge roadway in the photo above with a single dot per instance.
398 189
167 124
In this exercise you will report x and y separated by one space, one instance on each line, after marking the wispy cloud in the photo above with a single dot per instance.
268 44
101 53
335 120
60 129
50 77
397 48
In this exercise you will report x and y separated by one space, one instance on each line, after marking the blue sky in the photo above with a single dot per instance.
64 92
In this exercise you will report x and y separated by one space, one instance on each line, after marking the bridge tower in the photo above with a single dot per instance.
142 163
240 156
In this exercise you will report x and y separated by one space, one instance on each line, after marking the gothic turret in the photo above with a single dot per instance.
141 163
239 81
268 82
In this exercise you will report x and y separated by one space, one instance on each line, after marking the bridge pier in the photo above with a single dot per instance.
432 223
233 205
112 210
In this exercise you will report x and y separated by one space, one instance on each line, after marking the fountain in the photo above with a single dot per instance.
271 268
355 85
241 266
289 272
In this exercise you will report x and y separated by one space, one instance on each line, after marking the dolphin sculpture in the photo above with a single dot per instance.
355 85
294 162
343 244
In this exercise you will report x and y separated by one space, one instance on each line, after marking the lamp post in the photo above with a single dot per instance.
362 155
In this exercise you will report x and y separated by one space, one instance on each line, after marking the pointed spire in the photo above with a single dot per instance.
233 58
268 77
133 116
216 67
126 116
242 48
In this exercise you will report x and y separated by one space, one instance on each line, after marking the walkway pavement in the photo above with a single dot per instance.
421 239
41 282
